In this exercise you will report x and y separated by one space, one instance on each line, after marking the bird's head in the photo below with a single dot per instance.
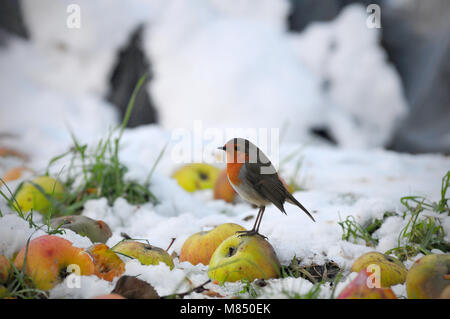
239 150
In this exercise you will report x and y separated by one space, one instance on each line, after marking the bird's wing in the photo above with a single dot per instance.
268 186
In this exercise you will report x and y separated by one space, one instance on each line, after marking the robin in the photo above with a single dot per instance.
255 179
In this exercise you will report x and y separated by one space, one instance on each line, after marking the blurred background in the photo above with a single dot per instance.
313 68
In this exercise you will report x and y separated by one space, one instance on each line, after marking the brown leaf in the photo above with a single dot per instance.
132 288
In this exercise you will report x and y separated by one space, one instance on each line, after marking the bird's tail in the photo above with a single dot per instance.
291 199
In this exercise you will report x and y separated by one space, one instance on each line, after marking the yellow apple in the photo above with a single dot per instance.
243 257
199 247
358 288
107 264
48 258
428 277
196 176
29 197
392 271
145 253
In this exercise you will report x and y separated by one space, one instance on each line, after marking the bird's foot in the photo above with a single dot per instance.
252 232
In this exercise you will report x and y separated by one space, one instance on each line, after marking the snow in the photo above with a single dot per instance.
365 98
228 67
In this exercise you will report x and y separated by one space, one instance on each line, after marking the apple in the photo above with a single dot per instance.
5 270
243 257
358 288
96 230
392 271
48 258
107 264
29 197
196 176
199 247
145 253
428 277
223 189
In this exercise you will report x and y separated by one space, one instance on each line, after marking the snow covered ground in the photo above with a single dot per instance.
337 183
265 75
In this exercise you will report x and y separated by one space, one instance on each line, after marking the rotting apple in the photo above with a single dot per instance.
147 254
428 277
107 264
48 258
392 270
196 176
199 247
96 230
359 288
243 257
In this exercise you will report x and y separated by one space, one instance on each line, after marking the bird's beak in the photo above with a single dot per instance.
223 148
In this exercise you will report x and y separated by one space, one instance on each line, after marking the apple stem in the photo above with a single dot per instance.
125 236
170 245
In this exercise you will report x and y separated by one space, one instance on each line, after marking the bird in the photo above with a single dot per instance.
255 179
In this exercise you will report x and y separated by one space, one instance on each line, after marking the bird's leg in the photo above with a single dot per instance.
254 230
261 213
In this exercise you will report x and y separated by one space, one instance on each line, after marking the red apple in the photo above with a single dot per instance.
428 277
199 247
223 189
48 258
359 288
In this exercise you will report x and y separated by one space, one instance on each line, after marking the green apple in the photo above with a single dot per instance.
392 271
196 176
29 197
145 253
96 230
199 247
358 288
243 257
428 277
